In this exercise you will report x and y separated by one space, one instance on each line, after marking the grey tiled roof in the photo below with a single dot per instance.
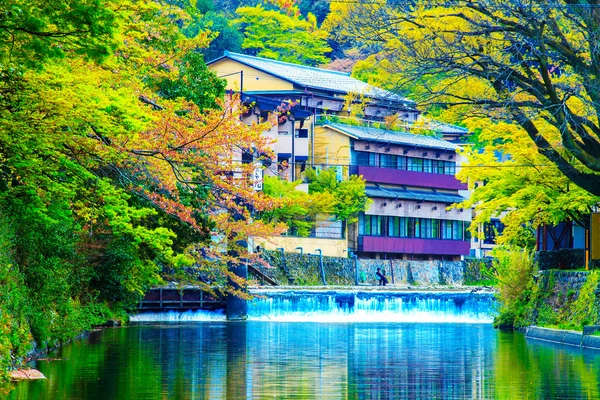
417 195
394 137
317 78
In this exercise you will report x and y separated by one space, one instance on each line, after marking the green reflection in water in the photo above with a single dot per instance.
221 360
530 369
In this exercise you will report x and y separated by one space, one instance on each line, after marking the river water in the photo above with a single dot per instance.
299 346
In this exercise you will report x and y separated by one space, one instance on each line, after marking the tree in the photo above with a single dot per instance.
532 63
225 36
113 175
296 209
509 179
272 34
34 31
350 196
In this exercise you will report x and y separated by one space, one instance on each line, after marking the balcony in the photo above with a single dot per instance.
379 244
393 176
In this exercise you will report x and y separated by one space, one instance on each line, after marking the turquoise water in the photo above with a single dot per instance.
320 345
294 360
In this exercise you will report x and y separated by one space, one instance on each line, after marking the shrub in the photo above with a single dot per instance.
514 272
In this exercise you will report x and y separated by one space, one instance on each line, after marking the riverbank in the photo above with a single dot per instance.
586 339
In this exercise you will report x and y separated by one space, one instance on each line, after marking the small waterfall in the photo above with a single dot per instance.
350 306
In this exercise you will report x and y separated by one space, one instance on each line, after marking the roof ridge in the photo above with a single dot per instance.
227 53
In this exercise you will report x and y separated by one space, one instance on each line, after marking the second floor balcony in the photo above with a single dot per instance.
392 176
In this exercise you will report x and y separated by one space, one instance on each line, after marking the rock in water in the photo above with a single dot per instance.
22 374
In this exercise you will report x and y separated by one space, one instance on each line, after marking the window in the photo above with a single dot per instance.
426 228
446 229
403 226
491 230
411 227
401 162
302 133
362 158
418 227
456 230
388 161
435 228
394 227
415 164
427 165
373 225
373 160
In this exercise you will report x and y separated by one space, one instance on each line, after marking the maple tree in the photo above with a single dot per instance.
533 64
121 175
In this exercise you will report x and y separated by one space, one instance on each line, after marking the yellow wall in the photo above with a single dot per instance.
331 147
253 78
330 247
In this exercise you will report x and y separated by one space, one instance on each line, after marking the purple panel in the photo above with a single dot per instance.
415 246
412 178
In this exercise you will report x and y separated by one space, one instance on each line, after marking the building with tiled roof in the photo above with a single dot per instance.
320 90
410 181
410 177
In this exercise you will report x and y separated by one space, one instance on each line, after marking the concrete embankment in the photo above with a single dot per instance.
584 339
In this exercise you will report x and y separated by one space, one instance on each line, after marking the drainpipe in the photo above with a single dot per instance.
293 160
355 269
321 266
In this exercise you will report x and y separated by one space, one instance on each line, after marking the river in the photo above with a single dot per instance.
321 352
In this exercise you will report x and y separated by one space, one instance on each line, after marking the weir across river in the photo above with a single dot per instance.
357 304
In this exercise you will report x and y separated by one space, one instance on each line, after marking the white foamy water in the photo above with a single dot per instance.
351 307
417 307
178 316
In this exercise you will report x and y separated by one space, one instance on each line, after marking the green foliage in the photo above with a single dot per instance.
479 272
30 30
297 209
80 240
350 196
272 34
514 271
195 83
319 8
584 309
225 36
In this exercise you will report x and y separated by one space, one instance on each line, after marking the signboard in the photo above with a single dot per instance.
595 236
257 177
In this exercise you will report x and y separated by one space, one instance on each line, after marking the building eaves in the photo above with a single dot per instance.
265 103
392 137
415 195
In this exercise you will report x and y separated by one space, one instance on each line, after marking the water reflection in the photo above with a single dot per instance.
227 360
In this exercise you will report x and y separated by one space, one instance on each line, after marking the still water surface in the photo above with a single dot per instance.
305 360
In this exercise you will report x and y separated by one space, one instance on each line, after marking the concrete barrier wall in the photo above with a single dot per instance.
571 338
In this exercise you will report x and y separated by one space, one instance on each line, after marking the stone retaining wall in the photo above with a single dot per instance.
303 269
561 259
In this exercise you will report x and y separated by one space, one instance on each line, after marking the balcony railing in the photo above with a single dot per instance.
411 178
379 244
